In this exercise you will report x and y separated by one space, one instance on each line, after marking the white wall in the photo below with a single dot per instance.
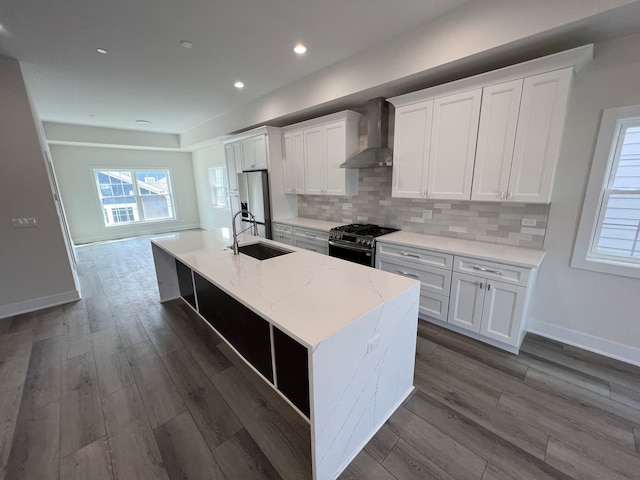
34 267
212 156
594 310
74 168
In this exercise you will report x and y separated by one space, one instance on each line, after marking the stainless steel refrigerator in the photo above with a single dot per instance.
253 188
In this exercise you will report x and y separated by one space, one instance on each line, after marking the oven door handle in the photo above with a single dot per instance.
350 247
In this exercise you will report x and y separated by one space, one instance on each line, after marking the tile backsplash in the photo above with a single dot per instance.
484 221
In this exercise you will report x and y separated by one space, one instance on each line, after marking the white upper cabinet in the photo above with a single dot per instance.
334 141
254 153
496 137
314 163
411 148
537 146
314 151
293 167
434 147
453 145
492 137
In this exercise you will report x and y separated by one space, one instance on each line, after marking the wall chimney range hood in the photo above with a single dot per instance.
377 154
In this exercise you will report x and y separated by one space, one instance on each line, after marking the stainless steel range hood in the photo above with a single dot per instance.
377 154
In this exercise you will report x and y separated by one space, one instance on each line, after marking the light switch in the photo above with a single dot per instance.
529 222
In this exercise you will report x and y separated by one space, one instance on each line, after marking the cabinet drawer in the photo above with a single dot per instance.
310 234
496 271
281 228
314 246
435 280
434 305
416 255
283 238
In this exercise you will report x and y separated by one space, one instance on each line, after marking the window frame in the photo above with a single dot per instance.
136 193
604 160
213 186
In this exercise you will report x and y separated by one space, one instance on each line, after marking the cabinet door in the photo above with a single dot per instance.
185 283
294 162
496 137
411 150
502 312
465 304
260 160
334 141
292 369
232 171
297 140
537 145
453 145
248 154
288 165
283 238
254 153
313 161
249 333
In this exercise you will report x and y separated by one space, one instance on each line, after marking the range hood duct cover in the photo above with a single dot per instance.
377 154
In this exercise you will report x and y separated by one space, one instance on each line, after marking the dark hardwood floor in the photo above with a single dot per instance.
119 386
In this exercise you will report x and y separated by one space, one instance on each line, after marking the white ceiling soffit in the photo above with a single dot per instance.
148 75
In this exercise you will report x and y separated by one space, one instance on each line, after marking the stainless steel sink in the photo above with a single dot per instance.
261 251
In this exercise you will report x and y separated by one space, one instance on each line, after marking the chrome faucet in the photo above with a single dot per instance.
235 235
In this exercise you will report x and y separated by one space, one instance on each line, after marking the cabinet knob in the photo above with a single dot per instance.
481 285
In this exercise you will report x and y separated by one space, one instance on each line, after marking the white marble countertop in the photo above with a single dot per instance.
522 257
309 223
307 295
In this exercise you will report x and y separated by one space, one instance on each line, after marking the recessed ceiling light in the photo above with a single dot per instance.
300 49
143 122
186 43
102 51
239 84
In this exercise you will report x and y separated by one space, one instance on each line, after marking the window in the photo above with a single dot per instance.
219 185
129 196
609 234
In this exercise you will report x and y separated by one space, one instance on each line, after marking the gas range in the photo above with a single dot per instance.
356 242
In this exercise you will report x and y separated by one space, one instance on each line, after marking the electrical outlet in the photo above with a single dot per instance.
427 214
529 222
24 222
373 343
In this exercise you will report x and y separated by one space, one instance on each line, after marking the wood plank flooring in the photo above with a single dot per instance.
119 386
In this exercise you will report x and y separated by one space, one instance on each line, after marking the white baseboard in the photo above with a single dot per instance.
38 303
608 348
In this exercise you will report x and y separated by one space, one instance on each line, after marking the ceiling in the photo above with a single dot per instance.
148 75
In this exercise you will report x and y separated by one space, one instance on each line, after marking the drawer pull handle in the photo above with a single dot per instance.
405 254
407 274
482 269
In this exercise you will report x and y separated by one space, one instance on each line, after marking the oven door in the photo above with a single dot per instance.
352 253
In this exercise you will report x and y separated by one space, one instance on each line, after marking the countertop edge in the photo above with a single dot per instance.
461 252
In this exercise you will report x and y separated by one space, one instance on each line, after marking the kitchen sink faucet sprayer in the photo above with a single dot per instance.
235 235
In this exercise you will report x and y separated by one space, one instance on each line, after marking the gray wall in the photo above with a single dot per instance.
580 306
74 168
34 265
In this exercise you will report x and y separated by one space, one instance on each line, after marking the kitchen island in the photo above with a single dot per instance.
337 340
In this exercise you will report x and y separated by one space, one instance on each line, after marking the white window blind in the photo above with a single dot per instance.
617 233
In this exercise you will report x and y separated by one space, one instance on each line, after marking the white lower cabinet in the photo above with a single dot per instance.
282 233
480 298
493 309
310 239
